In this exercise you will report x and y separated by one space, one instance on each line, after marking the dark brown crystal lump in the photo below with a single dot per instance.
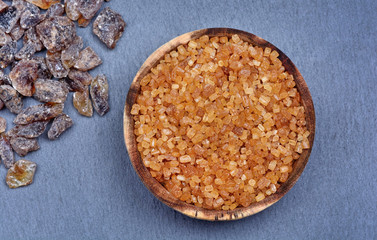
84 77
70 54
59 125
6 152
25 52
73 85
31 130
55 10
55 65
30 16
23 76
56 33
31 37
71 9
43 71
88 59
7 53
109 27
17 32
89 8
8 18
99 91
50 91
4 38
22 146
11 99
41 112
21 174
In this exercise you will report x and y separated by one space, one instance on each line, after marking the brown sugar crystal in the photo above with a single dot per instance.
219 122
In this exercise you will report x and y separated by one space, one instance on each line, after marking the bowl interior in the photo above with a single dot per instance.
156 188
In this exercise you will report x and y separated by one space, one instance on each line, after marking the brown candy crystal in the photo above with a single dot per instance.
89 8
55 65
41 112
109 27
22 146
3 124
44 4
26 52
17 32
43 71
4 38
6 152
73 85
71 9
8 18
30 16
11 99
59 125
23 76
50 91
55 10
70 54
21 174
31 130
32 37
84 77
82 103
7 53
99 91
56 33
88 59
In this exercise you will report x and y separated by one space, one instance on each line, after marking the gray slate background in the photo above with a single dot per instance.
86 188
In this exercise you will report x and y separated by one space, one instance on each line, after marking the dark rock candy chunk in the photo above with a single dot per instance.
8 18
50 91
7 53
23 76
109 27
6 152
22 146
70 54
84 77
11 99
41 112
99 92
88 59
60 124
31 130
31 37
55 10
55 65
56 33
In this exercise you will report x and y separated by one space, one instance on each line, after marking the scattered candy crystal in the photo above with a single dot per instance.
60 124
109 27
99 92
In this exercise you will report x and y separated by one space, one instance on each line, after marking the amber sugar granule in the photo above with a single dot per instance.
219 122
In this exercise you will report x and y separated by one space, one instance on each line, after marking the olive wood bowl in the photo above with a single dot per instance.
156 188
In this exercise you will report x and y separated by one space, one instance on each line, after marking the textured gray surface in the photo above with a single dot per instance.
85 187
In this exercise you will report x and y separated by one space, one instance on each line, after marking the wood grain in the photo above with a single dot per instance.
156 188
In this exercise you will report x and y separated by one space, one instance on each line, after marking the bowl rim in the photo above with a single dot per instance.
163 194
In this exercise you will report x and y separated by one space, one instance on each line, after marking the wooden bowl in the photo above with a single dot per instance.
156 188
